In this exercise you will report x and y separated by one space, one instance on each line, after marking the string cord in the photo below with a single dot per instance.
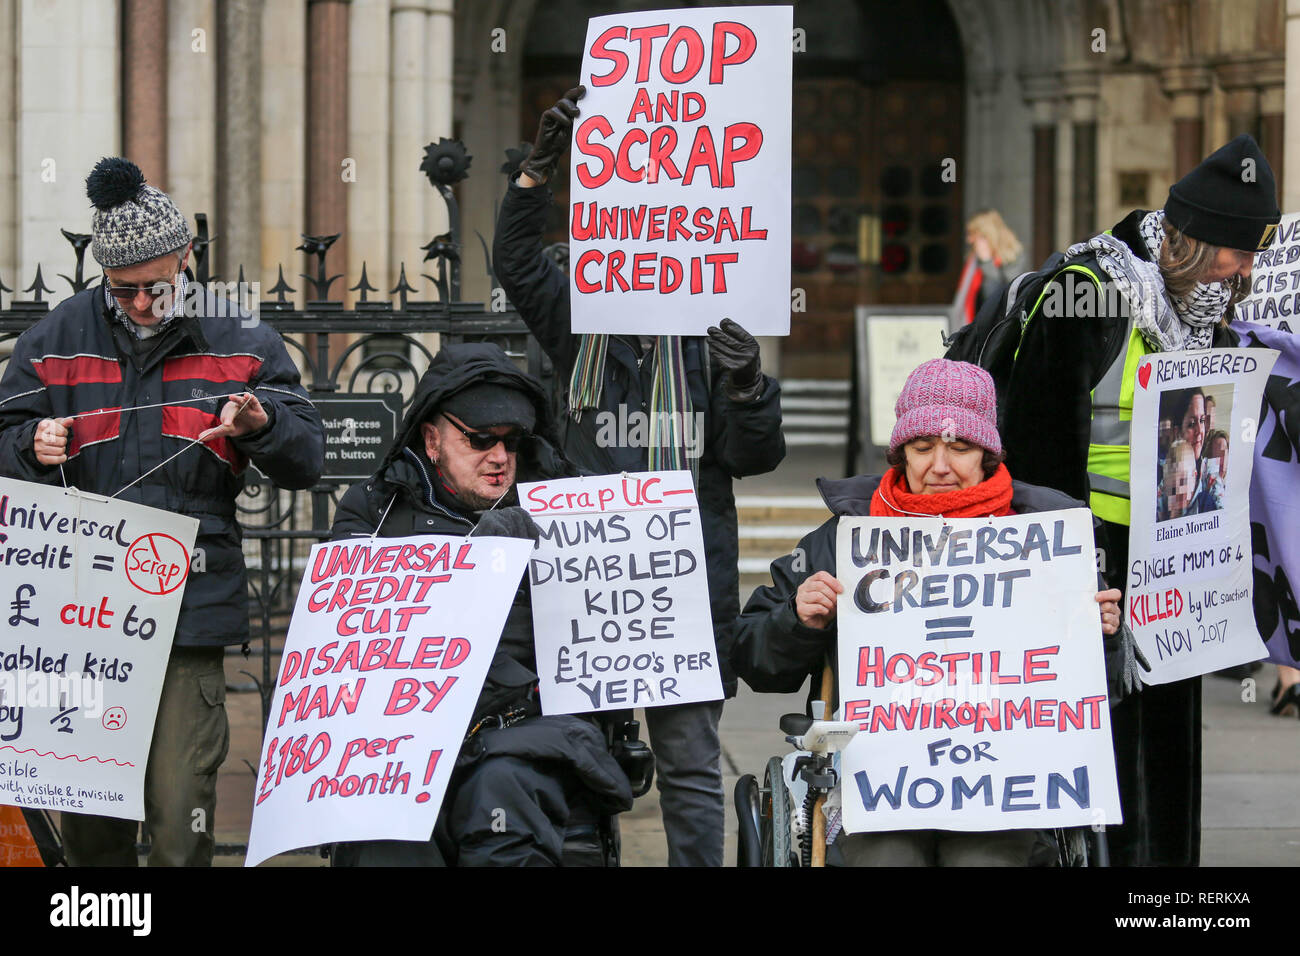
136 408
177 455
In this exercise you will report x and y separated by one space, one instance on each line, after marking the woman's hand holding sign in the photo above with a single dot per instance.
814 602
51 441
1109 601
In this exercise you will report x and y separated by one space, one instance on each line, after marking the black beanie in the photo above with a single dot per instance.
1226 200
487 404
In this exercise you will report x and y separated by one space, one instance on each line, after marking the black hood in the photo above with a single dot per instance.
456 367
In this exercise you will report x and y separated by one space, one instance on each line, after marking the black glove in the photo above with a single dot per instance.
553 135
508 523
737 353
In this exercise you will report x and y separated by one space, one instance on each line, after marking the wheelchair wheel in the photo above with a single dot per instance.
775 817
748 816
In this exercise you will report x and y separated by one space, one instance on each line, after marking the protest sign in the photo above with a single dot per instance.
970 656
93 586
1274 507
387 651
621 614
1274 298
680 183
1188 590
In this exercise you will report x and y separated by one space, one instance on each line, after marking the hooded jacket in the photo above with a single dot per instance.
79 359
739 438
401 495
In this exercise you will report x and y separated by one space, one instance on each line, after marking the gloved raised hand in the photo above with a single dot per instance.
553 134
508 523
737 353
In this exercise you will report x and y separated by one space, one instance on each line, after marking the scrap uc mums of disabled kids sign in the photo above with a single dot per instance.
970 656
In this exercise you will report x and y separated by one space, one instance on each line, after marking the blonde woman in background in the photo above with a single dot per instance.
996 257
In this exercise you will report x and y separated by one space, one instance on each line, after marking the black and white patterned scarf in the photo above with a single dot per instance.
1167 324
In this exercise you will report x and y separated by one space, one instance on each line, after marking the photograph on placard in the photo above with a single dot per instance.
1192 451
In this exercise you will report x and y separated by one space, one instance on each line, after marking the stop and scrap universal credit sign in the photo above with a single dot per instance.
680 184
91 588
387 651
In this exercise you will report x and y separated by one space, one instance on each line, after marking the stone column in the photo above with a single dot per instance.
283 117
1186 86
8 142
144 87
238 220
982 89
1041 94
439 59
409 83
368 139
1289 162
1272 114
66 120
1080 88
327 134
192 107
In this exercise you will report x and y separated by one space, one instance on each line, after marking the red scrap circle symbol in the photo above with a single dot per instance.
157 563
114 718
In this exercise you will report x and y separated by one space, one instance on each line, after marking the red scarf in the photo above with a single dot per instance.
991 497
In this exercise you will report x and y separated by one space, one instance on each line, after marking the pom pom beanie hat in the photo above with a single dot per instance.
953 400
133 222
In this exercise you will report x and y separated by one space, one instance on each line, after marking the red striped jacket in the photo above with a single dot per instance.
79 359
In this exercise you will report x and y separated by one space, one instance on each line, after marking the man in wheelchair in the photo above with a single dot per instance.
528 790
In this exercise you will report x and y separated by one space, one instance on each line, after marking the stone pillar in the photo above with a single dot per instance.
409 81
192 107
439 60
8 143
368 139
1041 94
982 89
66 120
1271 79
1186 86
283 112
144 87
327 135
238 219
1289 162
1080 88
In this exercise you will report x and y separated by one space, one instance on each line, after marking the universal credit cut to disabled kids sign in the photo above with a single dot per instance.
93 589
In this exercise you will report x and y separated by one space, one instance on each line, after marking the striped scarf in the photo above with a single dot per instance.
670 399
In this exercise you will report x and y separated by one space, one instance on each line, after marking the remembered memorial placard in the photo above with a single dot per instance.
389 645
621 614
91 589
1189 579
970 656
680 180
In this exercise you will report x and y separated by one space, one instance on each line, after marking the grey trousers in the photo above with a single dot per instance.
934 848
688 772
190 738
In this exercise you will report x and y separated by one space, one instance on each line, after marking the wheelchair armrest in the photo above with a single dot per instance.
795 725
633 756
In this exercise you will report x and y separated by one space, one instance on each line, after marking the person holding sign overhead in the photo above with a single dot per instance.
1164 280
946 460
641 403
110 393
477 425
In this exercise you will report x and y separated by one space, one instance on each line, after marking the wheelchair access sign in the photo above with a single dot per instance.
970 657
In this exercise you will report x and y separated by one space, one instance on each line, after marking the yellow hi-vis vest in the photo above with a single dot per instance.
1112 418
1108 441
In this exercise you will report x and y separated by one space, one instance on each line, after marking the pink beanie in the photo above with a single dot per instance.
955 400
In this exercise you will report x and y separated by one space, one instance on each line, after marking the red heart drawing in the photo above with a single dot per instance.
1144 375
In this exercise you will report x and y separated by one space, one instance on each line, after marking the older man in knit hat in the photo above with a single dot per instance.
202 392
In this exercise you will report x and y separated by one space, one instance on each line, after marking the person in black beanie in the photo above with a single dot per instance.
1159 281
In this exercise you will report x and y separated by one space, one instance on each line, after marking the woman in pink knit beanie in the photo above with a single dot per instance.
946 460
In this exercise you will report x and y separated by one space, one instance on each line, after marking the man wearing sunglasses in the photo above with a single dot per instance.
202 391
476 425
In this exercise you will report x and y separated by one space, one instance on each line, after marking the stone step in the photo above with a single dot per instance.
803 386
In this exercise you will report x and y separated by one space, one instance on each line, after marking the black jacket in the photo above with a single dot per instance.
79 359
774 652
402 493
740 439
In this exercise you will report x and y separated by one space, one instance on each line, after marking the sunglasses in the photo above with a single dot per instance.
486 441
126 293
